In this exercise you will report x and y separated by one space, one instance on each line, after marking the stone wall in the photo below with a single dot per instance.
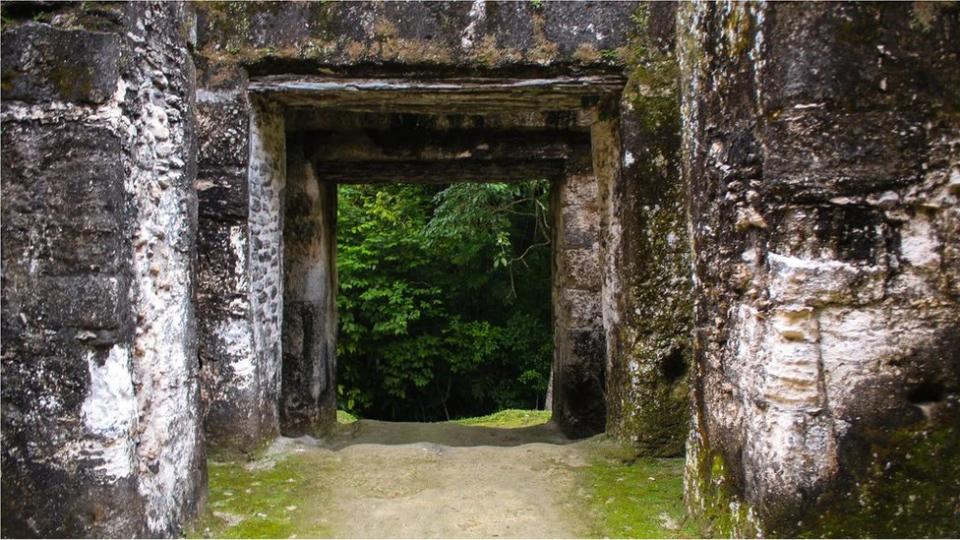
241 44
441 38
228 375
817 209
266 183
101 426
822 154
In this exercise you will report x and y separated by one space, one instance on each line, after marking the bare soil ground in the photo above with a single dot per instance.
445 480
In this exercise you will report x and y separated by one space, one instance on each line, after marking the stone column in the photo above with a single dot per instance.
308 403
579 349
240 186
101 422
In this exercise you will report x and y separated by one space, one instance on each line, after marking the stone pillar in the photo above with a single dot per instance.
578 358
308 403
101 423
647 298
267 181
239 185
822 154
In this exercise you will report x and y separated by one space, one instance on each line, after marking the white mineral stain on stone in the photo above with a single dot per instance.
235 338
110 412
919 245
238 246
478 12
806 280
164 352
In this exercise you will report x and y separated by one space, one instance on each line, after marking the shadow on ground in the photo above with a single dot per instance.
441 433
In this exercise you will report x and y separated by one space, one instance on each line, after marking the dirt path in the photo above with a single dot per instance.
446 480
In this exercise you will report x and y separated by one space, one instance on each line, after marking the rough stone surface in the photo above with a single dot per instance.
297 37
42 64
100 396
228 376
309 400
819 147
647 298
266 182
579 352
240 186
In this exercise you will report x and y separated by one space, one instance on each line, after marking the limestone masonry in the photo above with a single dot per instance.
755 217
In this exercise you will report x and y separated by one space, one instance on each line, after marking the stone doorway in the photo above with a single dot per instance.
439 133
309 134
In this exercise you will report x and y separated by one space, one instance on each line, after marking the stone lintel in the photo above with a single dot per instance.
437 172
475 95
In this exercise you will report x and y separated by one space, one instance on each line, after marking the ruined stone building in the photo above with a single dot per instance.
757 238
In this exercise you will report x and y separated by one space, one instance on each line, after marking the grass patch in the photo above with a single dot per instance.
638 497
510 418
343 417
261 499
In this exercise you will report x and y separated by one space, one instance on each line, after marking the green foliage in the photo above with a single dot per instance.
444 299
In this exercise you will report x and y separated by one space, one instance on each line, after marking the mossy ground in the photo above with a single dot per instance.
343 417
510 418
634 497
263 499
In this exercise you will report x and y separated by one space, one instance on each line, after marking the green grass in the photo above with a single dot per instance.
262 502
343 417
510 418
638 498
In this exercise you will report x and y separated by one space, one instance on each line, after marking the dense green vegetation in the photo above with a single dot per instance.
444 299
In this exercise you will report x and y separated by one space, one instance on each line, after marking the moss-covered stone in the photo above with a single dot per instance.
718 506
651 349
909 487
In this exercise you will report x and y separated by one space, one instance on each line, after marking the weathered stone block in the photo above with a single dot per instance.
223 129
479 34
42 63
579 406
100 398
308 396
850 154
72 199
